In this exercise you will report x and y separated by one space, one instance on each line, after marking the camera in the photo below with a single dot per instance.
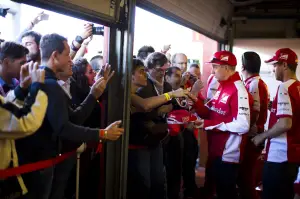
3 12
98 30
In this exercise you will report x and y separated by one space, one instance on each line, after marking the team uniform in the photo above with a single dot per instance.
282 152
226 120
259 92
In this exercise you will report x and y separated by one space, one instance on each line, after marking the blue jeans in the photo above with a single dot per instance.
39 183
146 176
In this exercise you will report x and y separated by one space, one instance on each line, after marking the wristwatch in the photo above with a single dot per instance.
79 39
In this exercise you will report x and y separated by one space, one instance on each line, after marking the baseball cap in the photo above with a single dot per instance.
176 120
284 55
224 58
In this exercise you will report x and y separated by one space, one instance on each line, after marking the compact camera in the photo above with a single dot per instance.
98 30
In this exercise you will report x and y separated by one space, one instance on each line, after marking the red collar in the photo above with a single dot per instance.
232 78
256 75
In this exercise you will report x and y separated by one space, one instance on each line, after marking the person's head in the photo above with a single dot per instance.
223 63
250 63
31 40
195 70
83 72
139 76
173 77
144 52
157 64
96 63
285 62
180 60
12 57
55 52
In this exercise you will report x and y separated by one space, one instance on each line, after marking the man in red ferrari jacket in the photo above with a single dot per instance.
226 120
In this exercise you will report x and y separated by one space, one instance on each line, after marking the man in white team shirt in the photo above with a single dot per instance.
283 136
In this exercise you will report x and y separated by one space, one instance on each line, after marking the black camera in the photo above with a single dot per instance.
3 12
98 30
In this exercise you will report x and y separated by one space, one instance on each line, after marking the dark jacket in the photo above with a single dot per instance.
45 144
148 129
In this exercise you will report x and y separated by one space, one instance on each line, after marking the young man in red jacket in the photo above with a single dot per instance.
259 91
283 136
226 120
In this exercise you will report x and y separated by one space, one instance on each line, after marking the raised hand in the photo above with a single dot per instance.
31 73
87 31
40 17
113 131
105 72
98 87
179 93
197 87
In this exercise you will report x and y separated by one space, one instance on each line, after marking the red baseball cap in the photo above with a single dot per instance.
284 55
224 58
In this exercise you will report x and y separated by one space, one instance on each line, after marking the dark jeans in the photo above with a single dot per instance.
146 173
278 180
174 156
224 175
190 155
62 172
39 183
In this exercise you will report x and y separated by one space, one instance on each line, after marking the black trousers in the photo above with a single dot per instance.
190 155
278 180
173 161
224 175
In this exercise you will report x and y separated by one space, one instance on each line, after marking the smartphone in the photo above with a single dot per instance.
44 17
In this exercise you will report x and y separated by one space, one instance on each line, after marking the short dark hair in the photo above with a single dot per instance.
156 59
293 67
194 66
144 51
171 70
136 63
251 62
50 43
37 36
12 50
95 63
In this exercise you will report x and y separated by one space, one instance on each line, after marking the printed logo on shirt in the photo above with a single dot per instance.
244 108
218 110
283 109
283 93
283 103
224 99
216 96
273 110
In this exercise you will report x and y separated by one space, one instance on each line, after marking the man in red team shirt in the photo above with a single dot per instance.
226 119
283 136
258 89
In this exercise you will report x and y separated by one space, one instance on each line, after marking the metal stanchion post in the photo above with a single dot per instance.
79 151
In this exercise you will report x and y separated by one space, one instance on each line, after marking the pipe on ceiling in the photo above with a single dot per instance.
245 3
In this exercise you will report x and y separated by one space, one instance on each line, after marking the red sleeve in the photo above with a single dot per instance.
201 109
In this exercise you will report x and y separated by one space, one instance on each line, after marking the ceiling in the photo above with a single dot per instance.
266 8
